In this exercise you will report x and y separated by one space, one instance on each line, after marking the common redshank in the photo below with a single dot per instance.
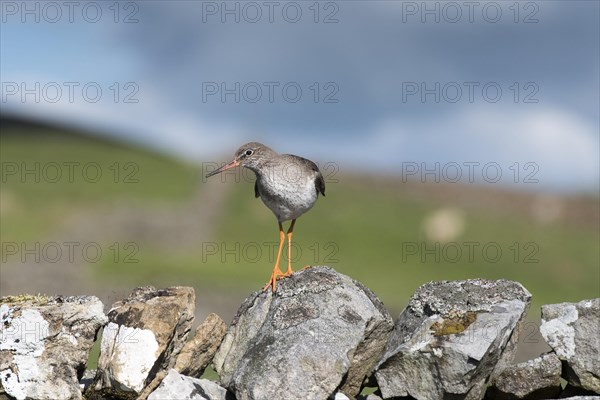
289 185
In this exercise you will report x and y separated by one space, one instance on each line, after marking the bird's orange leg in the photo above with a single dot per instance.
289 238
276 271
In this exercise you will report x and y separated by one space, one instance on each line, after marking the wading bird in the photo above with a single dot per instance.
289 185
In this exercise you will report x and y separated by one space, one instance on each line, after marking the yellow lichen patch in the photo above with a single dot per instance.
454 324
39 299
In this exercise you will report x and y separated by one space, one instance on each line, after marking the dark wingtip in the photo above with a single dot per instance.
320 184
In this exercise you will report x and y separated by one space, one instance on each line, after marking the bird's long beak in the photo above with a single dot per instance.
225 167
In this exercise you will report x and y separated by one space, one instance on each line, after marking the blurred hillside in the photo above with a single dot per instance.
86 215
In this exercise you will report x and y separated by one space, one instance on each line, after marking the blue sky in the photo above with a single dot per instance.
366 59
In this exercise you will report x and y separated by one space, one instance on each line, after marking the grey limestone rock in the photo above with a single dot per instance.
320 333
531 380
452 338
573 332
182 387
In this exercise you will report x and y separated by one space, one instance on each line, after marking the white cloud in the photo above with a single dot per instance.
151 121
563 145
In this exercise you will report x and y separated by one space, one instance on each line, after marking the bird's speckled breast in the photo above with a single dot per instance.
286 191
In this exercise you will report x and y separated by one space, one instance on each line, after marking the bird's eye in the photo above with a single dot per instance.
249 152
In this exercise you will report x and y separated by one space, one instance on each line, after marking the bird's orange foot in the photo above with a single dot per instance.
307 267
277 274
289 272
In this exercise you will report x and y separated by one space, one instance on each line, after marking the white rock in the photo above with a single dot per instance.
181 387
44 342
134 351
340 396
26 333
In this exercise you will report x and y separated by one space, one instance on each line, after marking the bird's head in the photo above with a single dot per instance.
251 155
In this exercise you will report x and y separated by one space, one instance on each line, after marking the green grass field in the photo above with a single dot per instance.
47 176
361 229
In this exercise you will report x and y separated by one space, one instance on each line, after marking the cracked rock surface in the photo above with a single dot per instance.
199 351
145 333
573 332
320 333
182 387
535 379
452 338
46 343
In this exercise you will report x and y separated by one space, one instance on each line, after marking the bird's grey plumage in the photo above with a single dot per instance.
288 185
319 181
